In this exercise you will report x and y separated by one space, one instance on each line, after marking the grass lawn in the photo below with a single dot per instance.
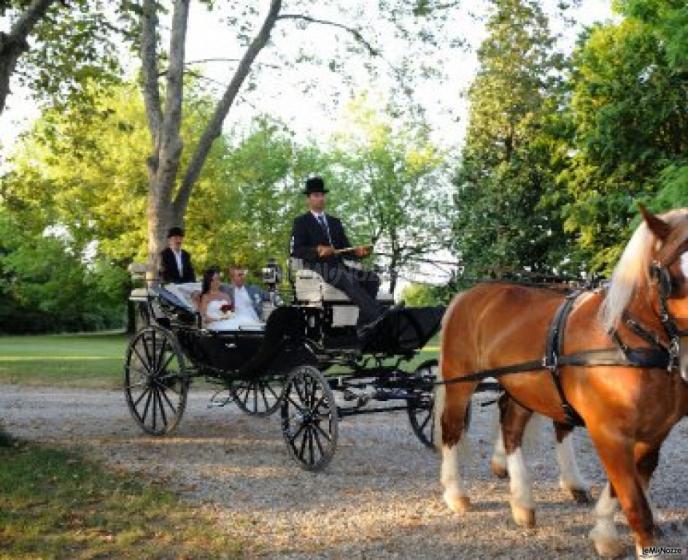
86 360
67 360
56 505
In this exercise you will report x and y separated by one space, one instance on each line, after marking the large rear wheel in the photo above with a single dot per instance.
155 380
309 418
420 408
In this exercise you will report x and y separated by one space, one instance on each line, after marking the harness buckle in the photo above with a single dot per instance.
550 363
674 354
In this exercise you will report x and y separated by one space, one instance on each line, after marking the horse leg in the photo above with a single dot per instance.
451 404
514 422
646 461
604 533
569 476
617 456
498 461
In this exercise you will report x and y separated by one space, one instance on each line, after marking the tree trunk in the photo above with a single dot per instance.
394 263
164 208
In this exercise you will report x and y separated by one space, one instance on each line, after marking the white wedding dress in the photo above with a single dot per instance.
228 321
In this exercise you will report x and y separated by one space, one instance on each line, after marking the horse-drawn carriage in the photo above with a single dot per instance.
295 363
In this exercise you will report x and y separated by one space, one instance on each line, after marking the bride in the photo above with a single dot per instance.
216 308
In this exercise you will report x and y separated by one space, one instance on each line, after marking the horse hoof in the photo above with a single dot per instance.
456 503
581 495
499 470
523 517
609 548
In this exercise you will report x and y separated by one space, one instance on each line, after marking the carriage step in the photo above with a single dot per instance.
216 401
361 399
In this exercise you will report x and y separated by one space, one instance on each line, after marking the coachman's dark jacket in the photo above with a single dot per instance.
307 234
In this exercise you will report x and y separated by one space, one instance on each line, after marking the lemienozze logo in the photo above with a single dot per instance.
652 551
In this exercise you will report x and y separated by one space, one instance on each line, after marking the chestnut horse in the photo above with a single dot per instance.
628 407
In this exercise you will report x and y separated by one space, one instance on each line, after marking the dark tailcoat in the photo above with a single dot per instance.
307 234
170 272
361 286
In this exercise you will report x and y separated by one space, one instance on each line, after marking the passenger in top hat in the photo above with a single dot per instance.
316 236
175 262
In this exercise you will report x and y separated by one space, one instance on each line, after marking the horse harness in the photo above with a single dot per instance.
659 355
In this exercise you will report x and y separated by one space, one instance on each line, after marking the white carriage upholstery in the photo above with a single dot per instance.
311 287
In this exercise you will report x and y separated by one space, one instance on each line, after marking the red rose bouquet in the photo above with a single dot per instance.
227 307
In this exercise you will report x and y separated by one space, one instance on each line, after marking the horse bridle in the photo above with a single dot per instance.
661 273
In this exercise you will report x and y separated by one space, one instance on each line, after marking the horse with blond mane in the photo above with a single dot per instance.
614 359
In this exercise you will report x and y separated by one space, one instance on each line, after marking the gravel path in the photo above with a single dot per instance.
379 498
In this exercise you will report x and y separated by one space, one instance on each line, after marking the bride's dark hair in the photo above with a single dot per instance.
208 278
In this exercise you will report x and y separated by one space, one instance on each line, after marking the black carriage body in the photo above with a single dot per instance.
305 349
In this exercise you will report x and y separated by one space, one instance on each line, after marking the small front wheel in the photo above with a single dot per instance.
309 418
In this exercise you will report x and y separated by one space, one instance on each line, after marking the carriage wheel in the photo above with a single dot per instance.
421 410
309 418
155 380
257 397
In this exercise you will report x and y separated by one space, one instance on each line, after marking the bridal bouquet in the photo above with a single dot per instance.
227 310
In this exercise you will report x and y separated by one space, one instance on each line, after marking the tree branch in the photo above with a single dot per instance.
14 44
214 127
28 20
149 60
355 32
203 60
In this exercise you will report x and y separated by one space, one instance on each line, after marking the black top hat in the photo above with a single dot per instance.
175 231
315 184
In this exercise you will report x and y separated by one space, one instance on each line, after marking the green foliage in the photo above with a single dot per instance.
629 108
46 286
507 200
80 171
422 295
256 198
73 51
393 176
84 168
668 20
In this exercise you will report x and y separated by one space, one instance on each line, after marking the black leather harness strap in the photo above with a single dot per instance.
554 359
555 348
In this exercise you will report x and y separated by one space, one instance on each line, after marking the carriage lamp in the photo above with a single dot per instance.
272 274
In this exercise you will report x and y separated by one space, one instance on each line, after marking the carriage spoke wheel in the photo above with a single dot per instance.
257 397
421 409
155 381
309 418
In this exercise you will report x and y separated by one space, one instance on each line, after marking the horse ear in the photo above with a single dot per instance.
657 226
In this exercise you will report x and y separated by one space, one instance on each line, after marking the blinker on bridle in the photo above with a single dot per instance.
661 274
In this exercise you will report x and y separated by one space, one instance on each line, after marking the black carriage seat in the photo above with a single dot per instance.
311 289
